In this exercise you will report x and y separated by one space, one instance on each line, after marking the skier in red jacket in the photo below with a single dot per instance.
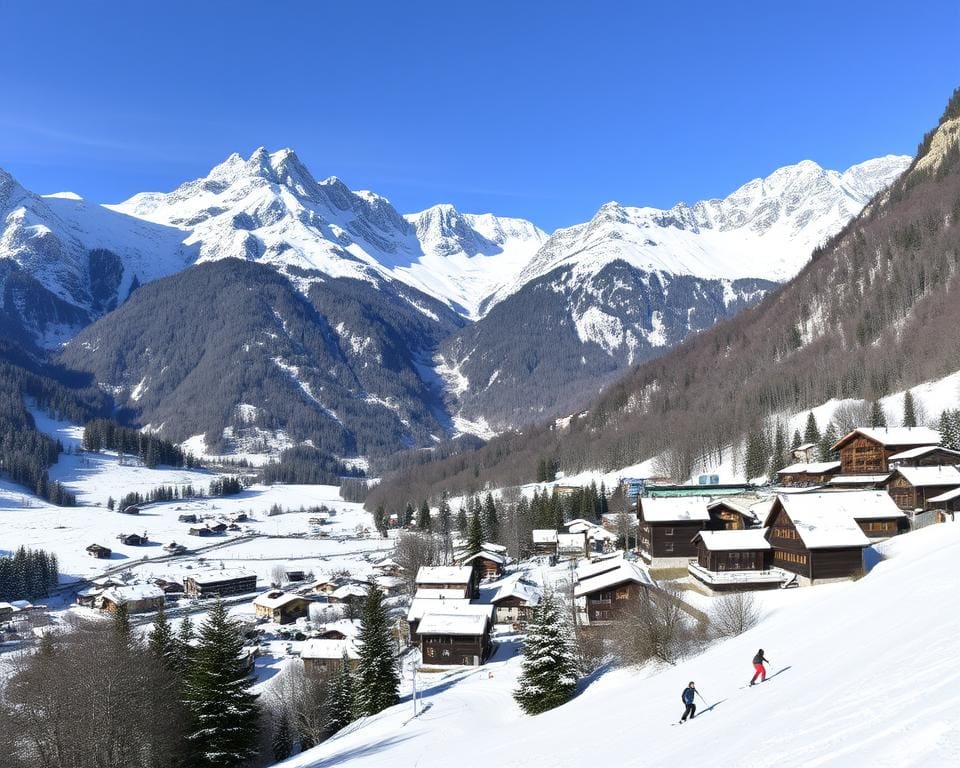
759 670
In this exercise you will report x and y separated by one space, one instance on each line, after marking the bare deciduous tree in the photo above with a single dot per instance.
733 614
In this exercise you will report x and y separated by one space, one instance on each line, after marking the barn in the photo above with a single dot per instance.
869 450
667 528
913 487
454 638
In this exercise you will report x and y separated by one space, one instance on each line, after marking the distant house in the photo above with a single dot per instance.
343 629
804 453
448 577
489 565
138 598
202 530
667 528
389 585
912 487
133 539
571 546
280 607
322 657
868 450
602 597
101 553
329 585
454 638
219 527
220 583
544 541
187 518
815 537
169 587
861 482
925 456
947 506
296 575
174 549
514 601
808 474
421 605
733 560
727 515
132 509
388 567
348 593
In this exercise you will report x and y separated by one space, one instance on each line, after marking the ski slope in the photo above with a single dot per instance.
863 674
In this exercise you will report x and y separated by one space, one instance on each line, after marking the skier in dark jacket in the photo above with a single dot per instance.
688 699
759 670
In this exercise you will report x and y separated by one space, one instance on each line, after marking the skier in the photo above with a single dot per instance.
687 697
759 670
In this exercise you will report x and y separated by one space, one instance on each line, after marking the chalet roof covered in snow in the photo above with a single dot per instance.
678 509
386 564
441 594
805 447
276 599
859 479
444 574
571 540
920 477
948 496
465 624
520 589
599 566
810 468
419 606
544 536
825 520
893 436
349 590
923 450
133 593
722 541
624 573
224 574
494 557
329 649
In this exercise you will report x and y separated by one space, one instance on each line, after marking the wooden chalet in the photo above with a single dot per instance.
133 539
727 515
99 552
132 509
323 657
219 527
138 598
174 549
947 506
808 474
352 593
388 567
454 639
448 577
867 450
423 603
514 601
925 456
281 607
734 560
571 546
390 585
667 528
488 565
220 583
912 487
201 530
544 541
604 597
804 453
815 537
327 586
187 518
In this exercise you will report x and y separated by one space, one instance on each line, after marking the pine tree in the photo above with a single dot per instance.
909 410
376 684
556 508
877 416
755 460
474 534
797 440
224 713
779 458
121 622
340 697
602 501
827 441
549 670
444 516
423 516
408 515
811 433
160 640
462 521
491 522
282 736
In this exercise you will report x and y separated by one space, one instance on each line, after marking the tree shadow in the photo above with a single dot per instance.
372 748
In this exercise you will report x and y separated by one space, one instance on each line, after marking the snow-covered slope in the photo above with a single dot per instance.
269 208
863 673
765 229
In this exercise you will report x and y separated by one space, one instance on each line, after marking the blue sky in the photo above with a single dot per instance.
538 109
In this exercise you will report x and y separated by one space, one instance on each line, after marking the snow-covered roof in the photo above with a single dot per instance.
721 541
859 479
495 557
930 476
826 520
440 594
676 509
329 649
224 574
948 496
599 566
544 536
597 532
420 605
810 468
388 563
491 547
577 521
134 592
894 436
444 574
518 588
571 540
349 627
923 450
388 582
276 599
804 447
349 590
623 573
469 624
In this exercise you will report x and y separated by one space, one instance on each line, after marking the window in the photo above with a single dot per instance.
796 558
668 546
668 531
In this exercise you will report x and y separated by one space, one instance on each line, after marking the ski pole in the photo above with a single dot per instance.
701 698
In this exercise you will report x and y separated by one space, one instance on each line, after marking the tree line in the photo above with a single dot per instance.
106 435
28 574
304 465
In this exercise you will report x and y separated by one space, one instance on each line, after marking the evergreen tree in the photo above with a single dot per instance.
556 508
811 433
827 441
160 640
121 622
909 410
224 713
602 508
755 460
423 517
949 428
549 670
491 522
444 516
779 458
380 520
408 515
796 441
462 521
878 418
474 534
282 736
340 697
376 685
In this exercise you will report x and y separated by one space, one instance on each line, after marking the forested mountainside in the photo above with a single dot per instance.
230 349
874 311
551 346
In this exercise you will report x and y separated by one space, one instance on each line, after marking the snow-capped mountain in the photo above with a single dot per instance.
269 208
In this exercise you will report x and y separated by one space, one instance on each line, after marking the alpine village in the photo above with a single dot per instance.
291 478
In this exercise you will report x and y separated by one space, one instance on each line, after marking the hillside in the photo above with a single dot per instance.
863 673
874 312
